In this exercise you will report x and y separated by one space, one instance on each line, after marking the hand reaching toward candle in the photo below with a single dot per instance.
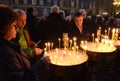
37 51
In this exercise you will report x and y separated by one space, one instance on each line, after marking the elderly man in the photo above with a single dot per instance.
29 47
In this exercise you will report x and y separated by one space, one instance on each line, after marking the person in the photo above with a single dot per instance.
77 29
32 24
15 65
23 37
53 28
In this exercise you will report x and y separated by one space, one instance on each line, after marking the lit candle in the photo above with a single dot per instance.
59 42
86 43
99 33
85 48
48 46
116 34
56 55
51 46
70 44
93 37
108 32
77 48
82 42
45 52
74 39
113 33
105 32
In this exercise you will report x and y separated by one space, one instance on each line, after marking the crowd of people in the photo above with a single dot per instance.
23 38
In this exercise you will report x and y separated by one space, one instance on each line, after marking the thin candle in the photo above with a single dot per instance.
59 42
45 52
93 38
105 32
108 32
48 46
70 44
77 48
51 46
74 39
113 33
56 55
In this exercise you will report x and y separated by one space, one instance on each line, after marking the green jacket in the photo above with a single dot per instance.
24 42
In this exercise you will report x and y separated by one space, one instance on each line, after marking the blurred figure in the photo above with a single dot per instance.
53 27
29 47
83 12
77 29
32 24
15 65
62 13
54 9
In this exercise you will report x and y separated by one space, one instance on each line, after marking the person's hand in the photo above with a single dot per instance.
46 59
37 51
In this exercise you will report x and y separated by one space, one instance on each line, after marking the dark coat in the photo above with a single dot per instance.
53 28
15 65
73 31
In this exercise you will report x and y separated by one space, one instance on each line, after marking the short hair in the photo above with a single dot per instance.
19 12
61 12
83 12
7 17
54 9
77 14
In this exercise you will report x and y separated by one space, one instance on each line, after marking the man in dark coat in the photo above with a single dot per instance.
78 30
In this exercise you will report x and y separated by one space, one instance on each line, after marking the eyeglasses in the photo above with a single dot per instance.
15 26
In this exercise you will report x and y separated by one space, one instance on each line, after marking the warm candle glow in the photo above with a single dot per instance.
74 39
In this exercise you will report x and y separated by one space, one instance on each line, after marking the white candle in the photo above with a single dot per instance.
51 46
108 32
105 32
74 39
77 48
56 55
48 46
113 33
45 52
70 44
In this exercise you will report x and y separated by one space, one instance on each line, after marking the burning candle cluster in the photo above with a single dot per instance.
69 55
102 43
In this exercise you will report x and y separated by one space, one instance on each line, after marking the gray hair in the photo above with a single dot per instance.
54 9
19 12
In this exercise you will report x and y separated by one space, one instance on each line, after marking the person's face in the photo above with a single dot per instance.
11 31
78 21
21 22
